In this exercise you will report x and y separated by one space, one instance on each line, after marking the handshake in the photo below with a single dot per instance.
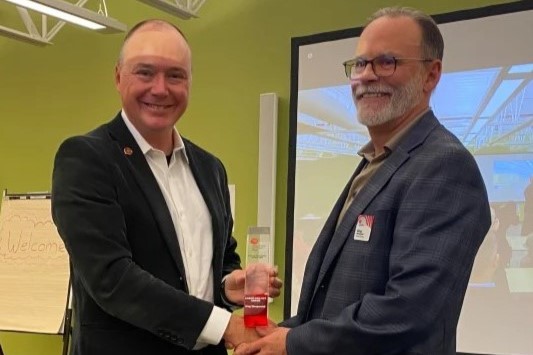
269 339
260 340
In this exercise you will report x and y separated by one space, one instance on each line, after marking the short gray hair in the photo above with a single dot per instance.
432 42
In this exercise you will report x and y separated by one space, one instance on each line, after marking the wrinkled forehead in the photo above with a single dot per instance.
163 43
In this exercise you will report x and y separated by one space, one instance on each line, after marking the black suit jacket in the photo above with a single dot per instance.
130 292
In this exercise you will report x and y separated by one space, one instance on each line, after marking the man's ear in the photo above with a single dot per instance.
433 75
117 75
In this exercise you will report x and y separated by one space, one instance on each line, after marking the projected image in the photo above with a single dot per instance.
510 179
491 113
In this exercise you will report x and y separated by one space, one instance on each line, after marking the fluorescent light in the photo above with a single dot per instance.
74 14
173 9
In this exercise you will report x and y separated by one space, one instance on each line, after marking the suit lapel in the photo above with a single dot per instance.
413 138
146 181
320 248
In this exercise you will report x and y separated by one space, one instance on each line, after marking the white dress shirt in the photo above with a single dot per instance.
192 222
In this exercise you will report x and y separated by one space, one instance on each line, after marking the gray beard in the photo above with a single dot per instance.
402 100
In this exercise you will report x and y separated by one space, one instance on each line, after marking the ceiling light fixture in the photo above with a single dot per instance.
74 14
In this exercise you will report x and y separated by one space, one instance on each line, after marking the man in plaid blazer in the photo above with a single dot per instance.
389 270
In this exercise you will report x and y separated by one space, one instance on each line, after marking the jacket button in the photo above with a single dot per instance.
179 341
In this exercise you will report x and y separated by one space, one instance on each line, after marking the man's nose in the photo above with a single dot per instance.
159 85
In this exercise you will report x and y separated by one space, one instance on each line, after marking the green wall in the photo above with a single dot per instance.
241 48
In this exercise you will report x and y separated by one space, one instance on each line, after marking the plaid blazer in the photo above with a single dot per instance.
401 291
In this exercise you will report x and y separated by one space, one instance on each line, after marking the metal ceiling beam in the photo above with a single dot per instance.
44 36
22 36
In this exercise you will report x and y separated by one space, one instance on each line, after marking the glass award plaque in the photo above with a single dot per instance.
257 277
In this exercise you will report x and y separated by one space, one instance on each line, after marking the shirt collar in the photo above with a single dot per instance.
179 146
367 151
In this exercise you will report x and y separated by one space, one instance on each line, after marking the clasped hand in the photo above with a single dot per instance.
268 340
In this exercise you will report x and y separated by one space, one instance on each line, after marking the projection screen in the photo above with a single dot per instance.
485 97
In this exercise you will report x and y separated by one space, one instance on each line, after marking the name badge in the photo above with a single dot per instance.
363 228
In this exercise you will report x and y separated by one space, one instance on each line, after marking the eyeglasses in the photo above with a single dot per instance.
382 66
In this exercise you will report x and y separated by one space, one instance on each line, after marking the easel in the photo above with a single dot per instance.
67 320
67 324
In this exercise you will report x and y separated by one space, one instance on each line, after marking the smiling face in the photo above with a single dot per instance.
153 78
406 92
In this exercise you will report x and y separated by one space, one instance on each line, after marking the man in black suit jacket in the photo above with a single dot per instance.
145 216
388 272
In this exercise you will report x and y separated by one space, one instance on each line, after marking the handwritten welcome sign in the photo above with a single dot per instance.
34 268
